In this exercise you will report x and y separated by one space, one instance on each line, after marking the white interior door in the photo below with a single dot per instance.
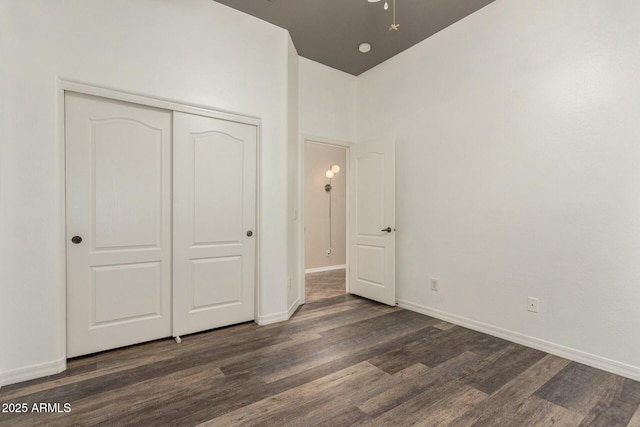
214 223
119 205
372 221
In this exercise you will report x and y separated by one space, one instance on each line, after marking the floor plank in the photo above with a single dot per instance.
311 403
635 419
499 407
438 405
325 284
539 412
577 387
504 368
419 378
617 405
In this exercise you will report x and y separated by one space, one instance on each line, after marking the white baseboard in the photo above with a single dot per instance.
585 358
293 308
34 371
327 268
279 317
272 318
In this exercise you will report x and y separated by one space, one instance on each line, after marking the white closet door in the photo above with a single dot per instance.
214 222
119 205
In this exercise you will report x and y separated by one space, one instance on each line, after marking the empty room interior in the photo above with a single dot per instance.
298 212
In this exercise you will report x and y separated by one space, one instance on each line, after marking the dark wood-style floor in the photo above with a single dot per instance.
338 362
325 284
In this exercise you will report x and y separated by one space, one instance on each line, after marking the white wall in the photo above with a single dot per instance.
191 51
327 102
518 174
317 224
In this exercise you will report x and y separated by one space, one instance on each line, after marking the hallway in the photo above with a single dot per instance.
325 284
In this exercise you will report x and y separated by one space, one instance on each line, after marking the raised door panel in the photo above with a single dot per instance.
126 292
369 194
370 262
127 179
214 282
217 188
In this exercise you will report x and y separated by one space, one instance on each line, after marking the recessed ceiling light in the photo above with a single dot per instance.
373 1
364 47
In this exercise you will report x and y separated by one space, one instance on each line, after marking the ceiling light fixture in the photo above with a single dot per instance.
364 47
394 26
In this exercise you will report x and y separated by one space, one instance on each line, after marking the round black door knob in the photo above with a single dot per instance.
249 233
76 239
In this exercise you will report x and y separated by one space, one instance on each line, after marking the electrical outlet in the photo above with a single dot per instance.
532 304
328 252
434 285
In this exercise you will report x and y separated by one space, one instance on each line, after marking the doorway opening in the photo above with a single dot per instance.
325 220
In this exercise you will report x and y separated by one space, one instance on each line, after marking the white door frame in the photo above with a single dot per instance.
301 253
65 85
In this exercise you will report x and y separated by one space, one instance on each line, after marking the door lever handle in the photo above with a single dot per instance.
388 229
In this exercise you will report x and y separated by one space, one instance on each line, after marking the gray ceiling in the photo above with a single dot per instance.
329 31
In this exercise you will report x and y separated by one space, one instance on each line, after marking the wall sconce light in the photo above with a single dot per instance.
330 173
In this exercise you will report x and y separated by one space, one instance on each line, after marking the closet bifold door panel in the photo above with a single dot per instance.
118 233
214 219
